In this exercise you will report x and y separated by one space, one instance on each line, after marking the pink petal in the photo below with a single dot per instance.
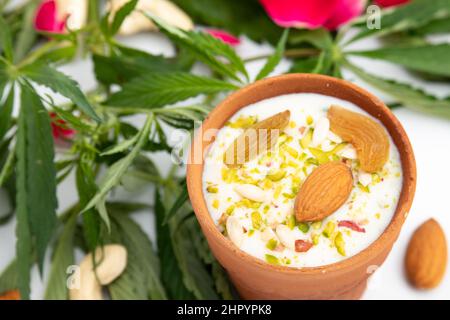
390 3
59 128
300 13
345 11
46 18
224 36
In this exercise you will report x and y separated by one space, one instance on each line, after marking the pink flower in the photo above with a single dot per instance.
224 36
59 128
46 18
390 3
313 14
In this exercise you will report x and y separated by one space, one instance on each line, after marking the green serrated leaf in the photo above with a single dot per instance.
160 89
412 98
179 202
239 17
171 275
36 179
274 59
6 109
6 40
60 83
9 277
120 69
406 17
86 188
200 49
141 279
120 16
117 170
27 35
63 257
438 26
121 146
430 58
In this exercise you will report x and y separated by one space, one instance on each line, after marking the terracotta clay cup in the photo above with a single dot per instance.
256 279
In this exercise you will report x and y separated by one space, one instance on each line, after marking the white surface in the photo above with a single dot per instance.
429 136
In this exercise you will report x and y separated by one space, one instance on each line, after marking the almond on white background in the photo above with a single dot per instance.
320 131
235 230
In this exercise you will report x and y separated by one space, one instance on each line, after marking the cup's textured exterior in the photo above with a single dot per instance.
256 279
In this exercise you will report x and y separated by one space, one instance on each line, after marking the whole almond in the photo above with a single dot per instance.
256 139
323 192
426 256
367 136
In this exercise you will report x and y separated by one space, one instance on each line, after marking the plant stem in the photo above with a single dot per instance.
290 53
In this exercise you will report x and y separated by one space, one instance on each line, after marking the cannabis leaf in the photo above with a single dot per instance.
171 274
120 16
63 257
6 40
141 279
411 97
160 89
204 47
429 58
6 110
36 184
117 170
59 82
9 278
274 59
406 17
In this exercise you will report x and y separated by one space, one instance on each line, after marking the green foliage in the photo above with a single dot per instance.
160 89
428 58
274 59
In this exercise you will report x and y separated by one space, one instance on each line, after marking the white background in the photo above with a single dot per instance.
430 138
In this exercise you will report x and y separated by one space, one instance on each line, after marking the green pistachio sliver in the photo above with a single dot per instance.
212 189
339 242
276 175
256 220
272 259
303 227
289 195
315 239
307 138
251 232
230 209
316 225
290 222
272 244
312 161
329 229
321 156
363 188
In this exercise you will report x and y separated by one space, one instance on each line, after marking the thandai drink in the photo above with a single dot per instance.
317 183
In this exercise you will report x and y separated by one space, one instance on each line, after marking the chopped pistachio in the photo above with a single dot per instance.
215 204
272 244
251 232
266 208
303 227
292 152
316 225
340 243
256 220
315 238
272 259
230 209
306 140
309 120
312 161
289 195
212 189
329 229
290 221
292 124
243 122
277 192
321 156
363 188
276 175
